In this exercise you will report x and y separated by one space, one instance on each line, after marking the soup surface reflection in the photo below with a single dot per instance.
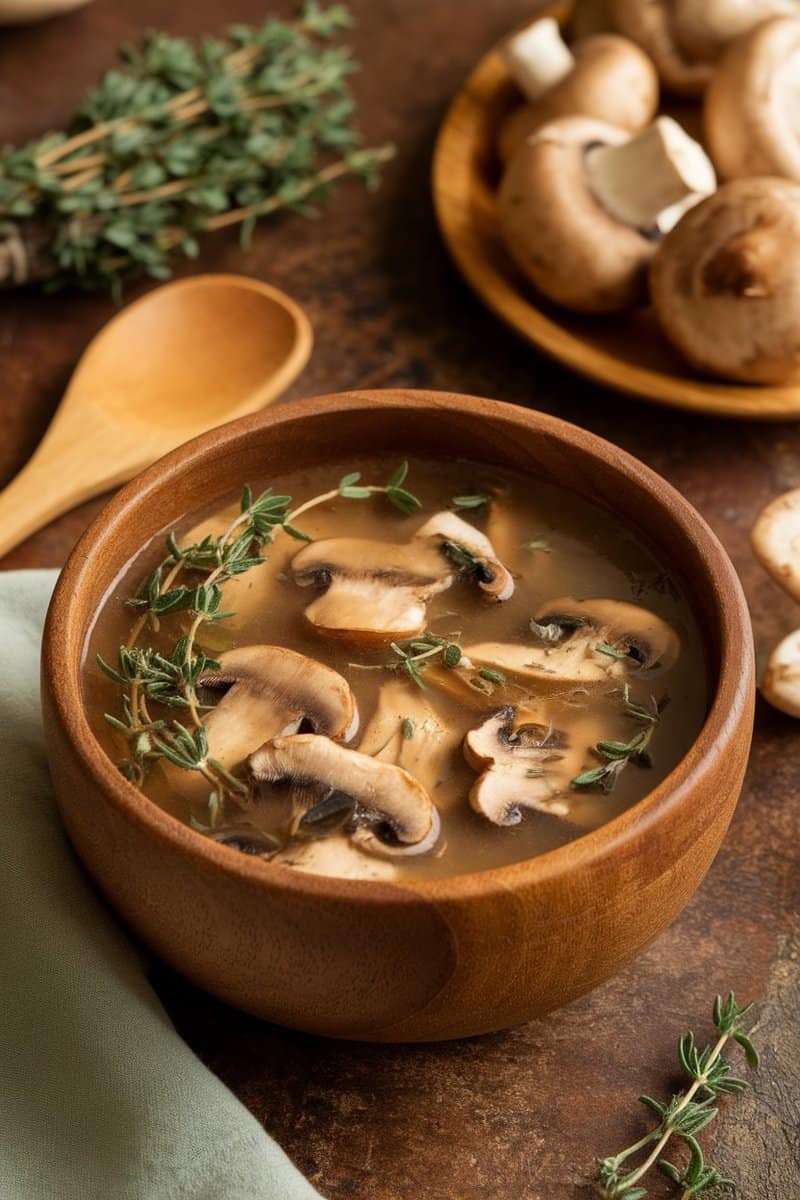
523 668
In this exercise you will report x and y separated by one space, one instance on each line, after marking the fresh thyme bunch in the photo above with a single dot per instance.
710 1076
181 139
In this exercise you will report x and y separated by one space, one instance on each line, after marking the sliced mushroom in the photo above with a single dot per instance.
605 76
334 856
582 207
775 538
272 690
379 591
751 112
780 684
524 763
407 730
394 812
581 643
684 38
725 283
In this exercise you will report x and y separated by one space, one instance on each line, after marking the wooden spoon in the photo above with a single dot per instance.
182 359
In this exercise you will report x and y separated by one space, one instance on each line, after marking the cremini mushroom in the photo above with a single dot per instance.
775 538
684 38
393 813
582 207
271 690
780 683
725 284
407 730
751 111
379 591
524 763
603 76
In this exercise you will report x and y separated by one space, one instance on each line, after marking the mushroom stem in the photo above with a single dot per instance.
538 58
651 180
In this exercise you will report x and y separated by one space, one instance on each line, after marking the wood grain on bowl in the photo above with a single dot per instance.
426 959
627 351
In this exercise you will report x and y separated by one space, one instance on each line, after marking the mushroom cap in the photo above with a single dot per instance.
613 80
780 684
446 528
775 538
705 28
386 794
270 690
557 232
750 112
725 282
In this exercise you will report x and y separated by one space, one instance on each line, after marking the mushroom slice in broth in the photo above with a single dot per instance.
393 812
407 730
378 591
526 764
272 690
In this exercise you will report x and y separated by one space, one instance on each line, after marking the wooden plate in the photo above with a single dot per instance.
626 351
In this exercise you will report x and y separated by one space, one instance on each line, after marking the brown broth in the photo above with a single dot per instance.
582 551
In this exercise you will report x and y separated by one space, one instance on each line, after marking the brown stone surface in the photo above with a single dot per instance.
513 1115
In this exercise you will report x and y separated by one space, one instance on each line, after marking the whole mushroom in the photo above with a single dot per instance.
582 207
684 38
604 76
751 112
725 283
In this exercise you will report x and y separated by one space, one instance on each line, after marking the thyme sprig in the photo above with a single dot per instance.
617 755
170 680
685 1115
414 655
180 139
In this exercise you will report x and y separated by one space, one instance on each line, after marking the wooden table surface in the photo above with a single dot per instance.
520 1114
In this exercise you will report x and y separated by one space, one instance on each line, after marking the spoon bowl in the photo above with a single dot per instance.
182 359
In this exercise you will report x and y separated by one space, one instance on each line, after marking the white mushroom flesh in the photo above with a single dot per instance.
651 180
406 729
538 58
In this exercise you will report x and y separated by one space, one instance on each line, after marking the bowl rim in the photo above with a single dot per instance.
62 672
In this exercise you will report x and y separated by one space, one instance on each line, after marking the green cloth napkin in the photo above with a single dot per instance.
99 1097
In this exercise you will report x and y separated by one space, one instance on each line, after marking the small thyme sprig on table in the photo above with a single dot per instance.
150 677
685 1115
617 755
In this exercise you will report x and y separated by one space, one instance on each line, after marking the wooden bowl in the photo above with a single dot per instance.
626 351
425 959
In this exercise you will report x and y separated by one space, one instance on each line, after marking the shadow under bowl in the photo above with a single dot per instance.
422 959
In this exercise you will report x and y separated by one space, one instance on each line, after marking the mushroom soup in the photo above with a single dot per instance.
453 670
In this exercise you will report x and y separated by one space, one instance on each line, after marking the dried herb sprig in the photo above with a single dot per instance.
181 139
685 1115
617 755
170 680
414 655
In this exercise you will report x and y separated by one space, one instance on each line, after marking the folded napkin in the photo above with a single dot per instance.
99 1097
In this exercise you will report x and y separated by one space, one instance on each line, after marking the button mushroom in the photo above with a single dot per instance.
582 207
780 683
684 38
604 76
272 690
393 812
379 591
725 283
751 112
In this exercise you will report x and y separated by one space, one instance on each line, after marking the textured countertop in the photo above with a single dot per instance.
522 1114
